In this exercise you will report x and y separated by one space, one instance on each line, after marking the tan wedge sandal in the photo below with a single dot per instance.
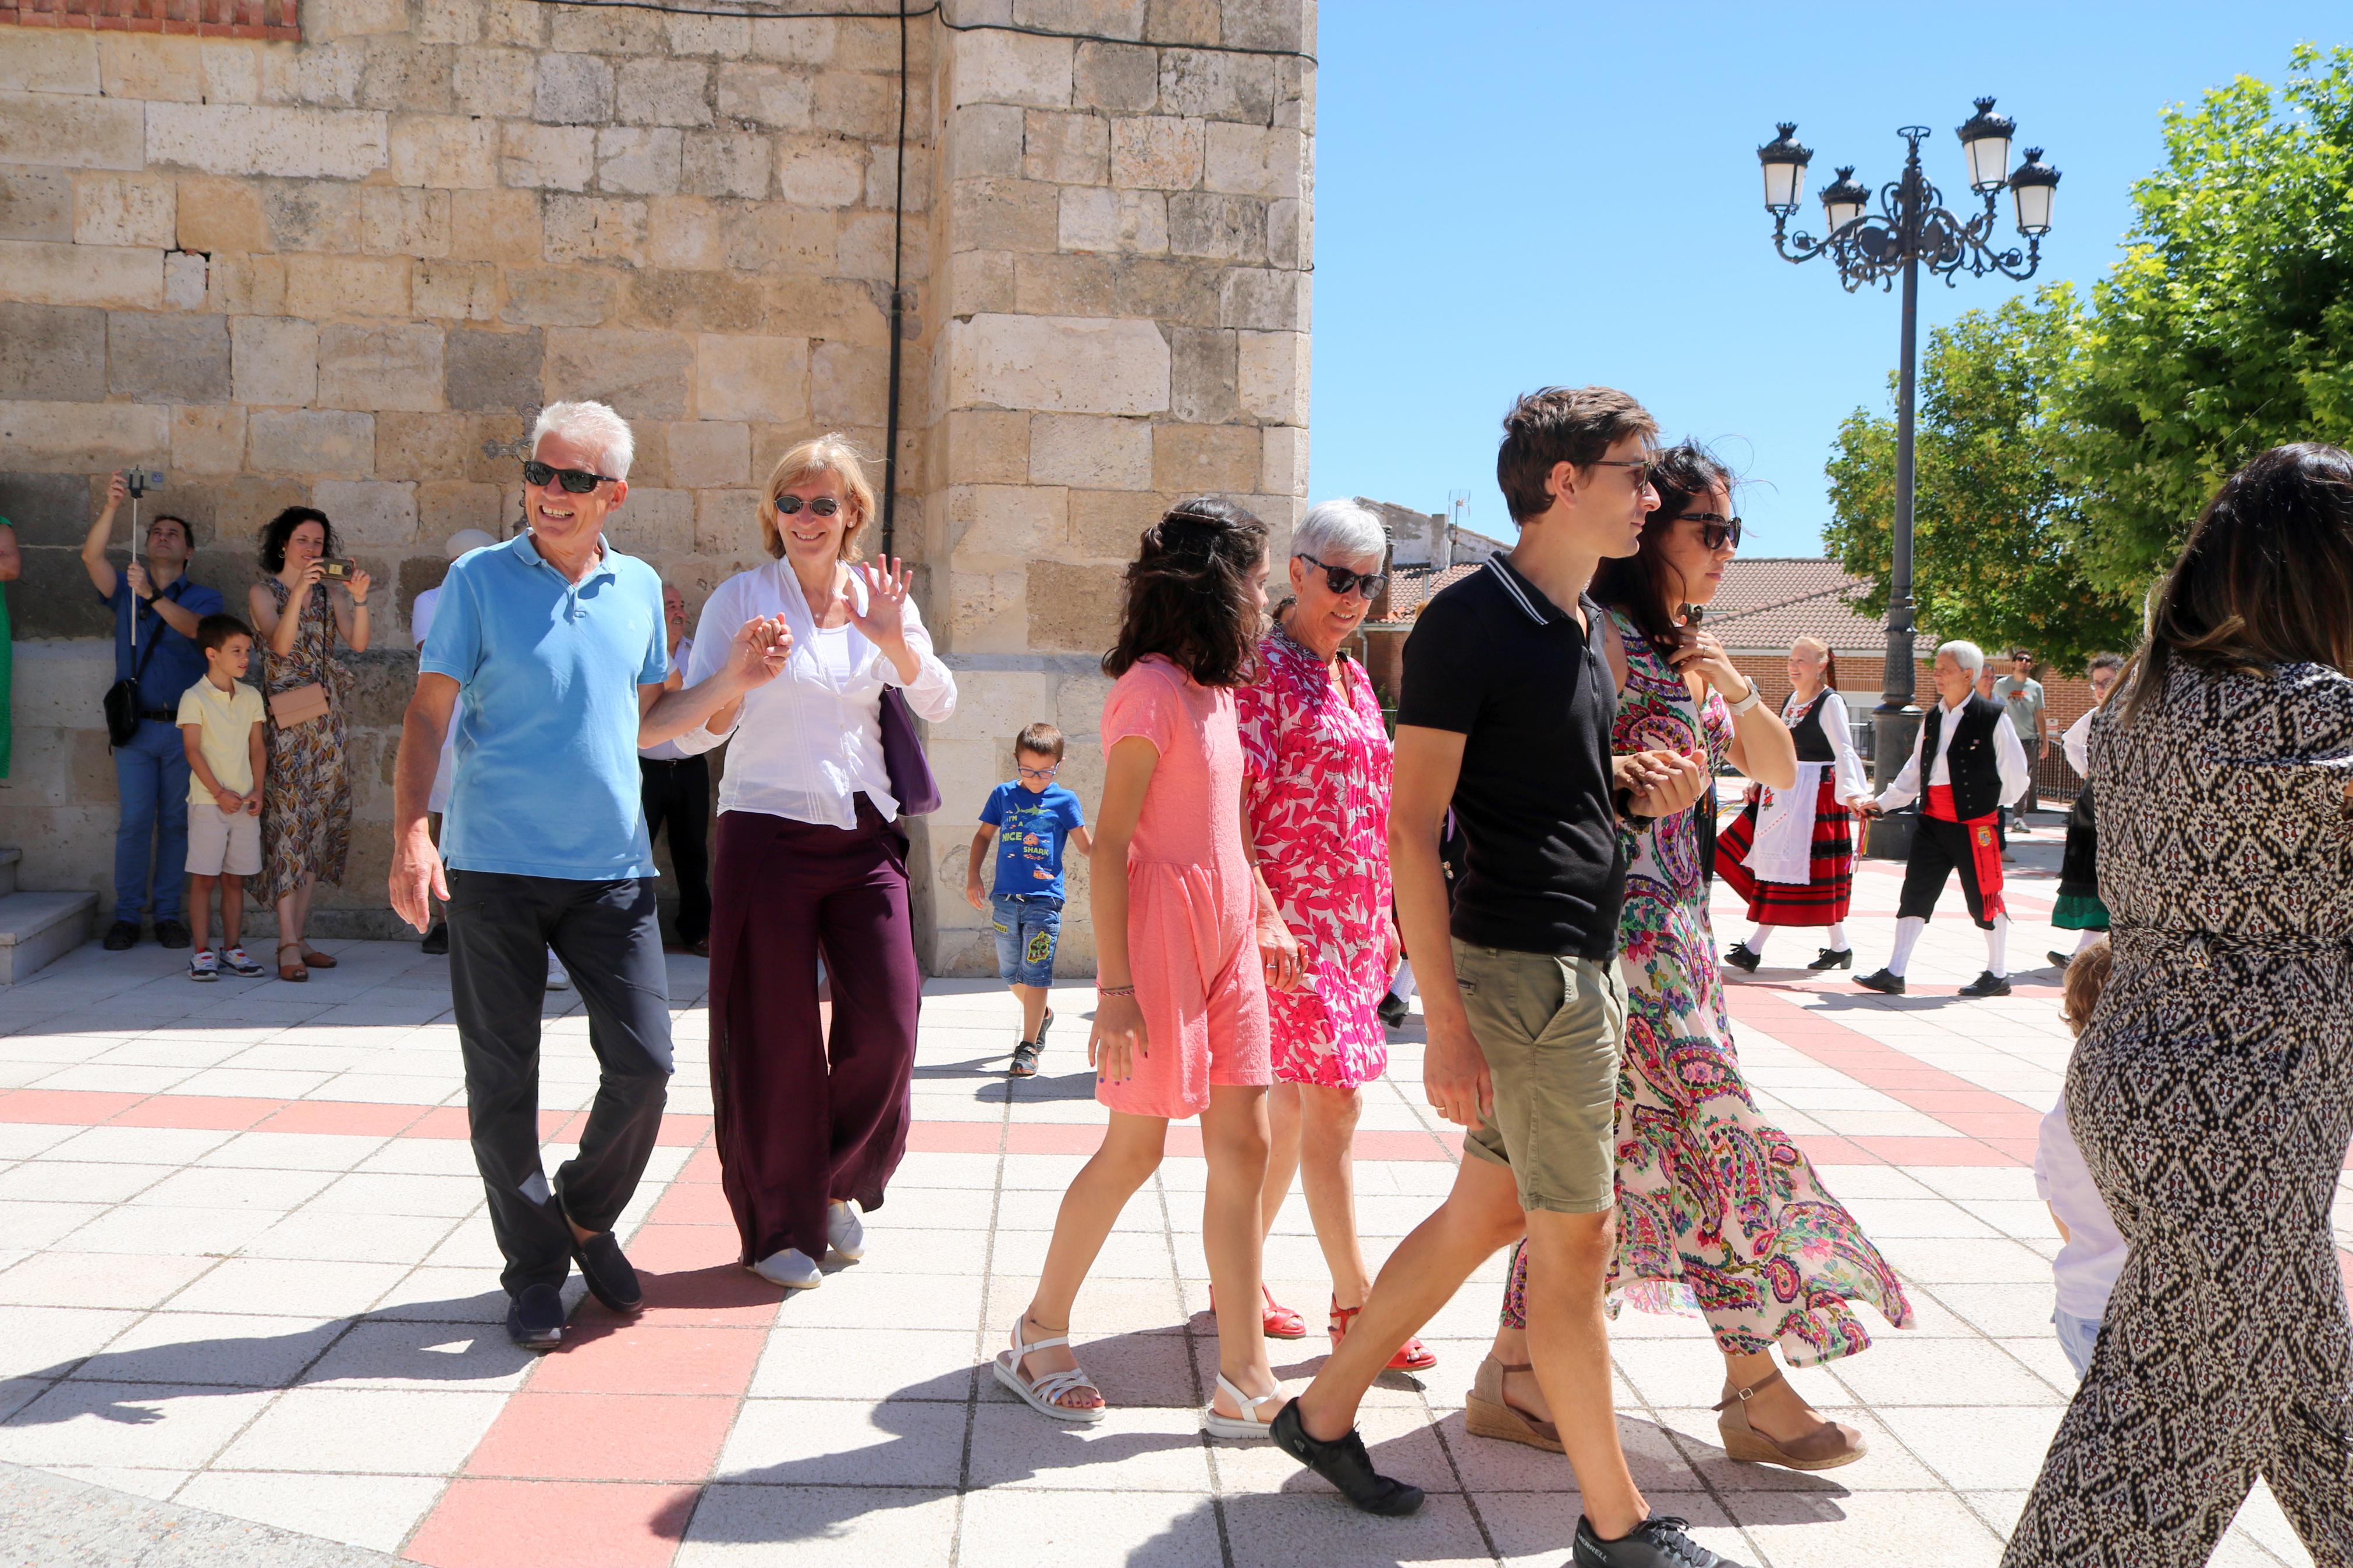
1826 1448
1487 1414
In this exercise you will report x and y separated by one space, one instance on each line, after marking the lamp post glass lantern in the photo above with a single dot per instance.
1912 229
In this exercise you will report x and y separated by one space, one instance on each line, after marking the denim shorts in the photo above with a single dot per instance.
1027 929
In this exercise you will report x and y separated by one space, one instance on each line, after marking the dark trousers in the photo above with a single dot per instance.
1939 849
802 1117
501 928
678 791
151 781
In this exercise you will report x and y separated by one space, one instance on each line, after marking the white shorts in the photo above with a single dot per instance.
219 844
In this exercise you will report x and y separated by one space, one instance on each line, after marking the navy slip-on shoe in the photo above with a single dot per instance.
610 1278
535 1318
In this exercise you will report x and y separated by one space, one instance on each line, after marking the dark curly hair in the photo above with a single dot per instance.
2266 578
1187 595
281 529
1644 584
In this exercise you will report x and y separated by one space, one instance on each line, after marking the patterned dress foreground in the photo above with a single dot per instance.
2212 1096
1318 759
1718 1210
306 800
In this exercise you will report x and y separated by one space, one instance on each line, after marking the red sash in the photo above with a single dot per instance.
1984 849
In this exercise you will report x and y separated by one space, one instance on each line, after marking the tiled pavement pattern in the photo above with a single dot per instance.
247 1268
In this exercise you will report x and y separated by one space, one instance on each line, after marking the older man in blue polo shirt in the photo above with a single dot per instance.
554 644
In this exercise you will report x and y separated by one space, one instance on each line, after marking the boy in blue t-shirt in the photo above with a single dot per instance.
1030 818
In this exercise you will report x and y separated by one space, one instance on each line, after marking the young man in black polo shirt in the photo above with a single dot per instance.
1505 715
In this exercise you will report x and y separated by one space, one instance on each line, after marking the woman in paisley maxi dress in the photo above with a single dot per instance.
1316 806
2211 1092
306 800
1718 1210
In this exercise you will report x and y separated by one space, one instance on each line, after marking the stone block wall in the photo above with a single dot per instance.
346 271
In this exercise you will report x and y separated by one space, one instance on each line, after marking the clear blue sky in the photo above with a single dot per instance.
1512 194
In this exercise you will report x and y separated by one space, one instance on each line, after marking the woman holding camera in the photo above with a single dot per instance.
309 598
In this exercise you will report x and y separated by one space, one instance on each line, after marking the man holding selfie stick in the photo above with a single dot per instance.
556 647
155 610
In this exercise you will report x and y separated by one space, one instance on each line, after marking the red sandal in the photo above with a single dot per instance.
1277 1321
1412 1356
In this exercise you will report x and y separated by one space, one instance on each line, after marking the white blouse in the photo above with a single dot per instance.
811 739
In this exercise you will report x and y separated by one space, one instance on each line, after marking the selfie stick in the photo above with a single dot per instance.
134 561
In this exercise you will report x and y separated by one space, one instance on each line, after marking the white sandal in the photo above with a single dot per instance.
1246 1425
1040 1396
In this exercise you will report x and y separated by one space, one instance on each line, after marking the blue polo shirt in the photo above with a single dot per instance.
172 663
546 776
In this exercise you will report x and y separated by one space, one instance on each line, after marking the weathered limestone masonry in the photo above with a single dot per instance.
347 270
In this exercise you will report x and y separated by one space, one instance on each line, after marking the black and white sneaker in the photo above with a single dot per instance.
1344 1463
1658 1541
204 965
1881 981
1987 984
1833 958
1742 959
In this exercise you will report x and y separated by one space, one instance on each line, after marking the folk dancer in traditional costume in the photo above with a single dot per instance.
2079 908
1790 854
1967 764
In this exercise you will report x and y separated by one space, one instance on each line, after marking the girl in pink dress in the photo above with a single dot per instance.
1180 1016
1318 809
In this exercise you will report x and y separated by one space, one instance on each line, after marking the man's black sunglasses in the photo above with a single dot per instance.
578 481
1715 529
824 506
1341 580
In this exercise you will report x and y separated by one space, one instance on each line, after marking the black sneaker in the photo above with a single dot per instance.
610 1278
1833 958
1879 980
1025 1061
1740 958
122 935
171 934
2058 961
1394 1010
436 940
1657 1542
1987 984
1344 1464
535 1318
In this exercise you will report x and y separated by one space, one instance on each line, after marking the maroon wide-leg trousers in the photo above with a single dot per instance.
802 1118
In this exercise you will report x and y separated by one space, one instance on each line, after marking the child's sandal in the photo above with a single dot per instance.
1042 1394
1025 1061
1245 1425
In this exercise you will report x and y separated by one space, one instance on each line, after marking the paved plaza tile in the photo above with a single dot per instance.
245 1269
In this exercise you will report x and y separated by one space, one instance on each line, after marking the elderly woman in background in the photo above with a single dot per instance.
812 863
1316 807
306 800
1790 854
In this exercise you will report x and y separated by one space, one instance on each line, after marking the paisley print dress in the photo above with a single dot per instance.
306 800
1318 759
1718 1210
2212 1095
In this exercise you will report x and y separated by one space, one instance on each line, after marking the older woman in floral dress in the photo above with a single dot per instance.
1316 805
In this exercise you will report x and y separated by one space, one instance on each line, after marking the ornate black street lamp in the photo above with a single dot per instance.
1912 229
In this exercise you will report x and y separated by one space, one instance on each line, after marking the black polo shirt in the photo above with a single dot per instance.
1493 660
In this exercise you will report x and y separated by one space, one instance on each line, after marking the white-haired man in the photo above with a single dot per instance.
1965 766
555 643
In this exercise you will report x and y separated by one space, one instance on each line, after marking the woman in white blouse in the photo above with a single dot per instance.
811 864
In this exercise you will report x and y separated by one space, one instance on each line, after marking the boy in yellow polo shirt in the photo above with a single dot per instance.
220 724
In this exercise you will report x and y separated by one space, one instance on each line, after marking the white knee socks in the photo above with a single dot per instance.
1998 946
1836 936
1755 941
1907 937
1401 983
2086 938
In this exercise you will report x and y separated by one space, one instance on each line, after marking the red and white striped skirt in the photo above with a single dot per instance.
1824 900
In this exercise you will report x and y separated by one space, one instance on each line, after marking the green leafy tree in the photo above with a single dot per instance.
2228 326
1996 540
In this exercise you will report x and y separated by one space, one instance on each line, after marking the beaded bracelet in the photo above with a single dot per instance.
1114 990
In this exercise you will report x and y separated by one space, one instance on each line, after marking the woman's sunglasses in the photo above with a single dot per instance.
578 481
824 506
1715 530
1341 580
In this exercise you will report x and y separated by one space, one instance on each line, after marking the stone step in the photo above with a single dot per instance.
8 859
37 929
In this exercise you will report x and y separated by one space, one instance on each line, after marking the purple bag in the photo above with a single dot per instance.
903 759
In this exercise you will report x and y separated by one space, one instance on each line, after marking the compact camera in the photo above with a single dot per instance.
335 568
139 481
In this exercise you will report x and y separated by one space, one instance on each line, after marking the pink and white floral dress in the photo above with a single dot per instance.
1316 758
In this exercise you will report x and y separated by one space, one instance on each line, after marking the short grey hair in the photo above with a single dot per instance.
591 425
1338 531
1967 655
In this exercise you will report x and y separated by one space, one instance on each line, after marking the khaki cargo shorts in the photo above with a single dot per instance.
1552 1030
